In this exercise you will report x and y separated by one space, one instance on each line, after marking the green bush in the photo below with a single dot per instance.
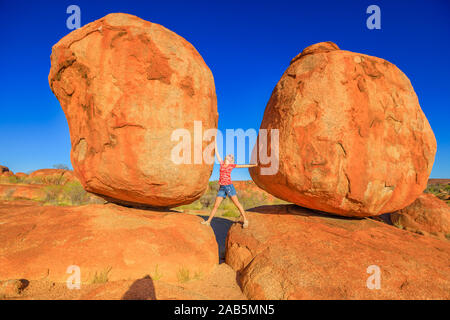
11 179
52 194
231 214
34 180
434 189
70 194
74 193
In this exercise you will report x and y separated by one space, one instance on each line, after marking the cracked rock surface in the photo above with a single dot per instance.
290 252
353 140
125 85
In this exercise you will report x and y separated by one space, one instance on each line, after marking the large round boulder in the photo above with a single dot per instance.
125 85
353 139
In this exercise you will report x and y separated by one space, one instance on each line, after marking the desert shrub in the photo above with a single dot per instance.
198 275
33 180
9 194
196 205
183 275
250 199
208 199
20 179
4 179
11 179
101 276
74 193
231 214
70 194
52 194
56 179
229 209
434 189
156 275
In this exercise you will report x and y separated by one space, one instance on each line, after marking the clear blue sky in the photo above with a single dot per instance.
246 44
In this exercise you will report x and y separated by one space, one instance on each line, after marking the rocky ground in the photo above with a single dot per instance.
39 242
288 252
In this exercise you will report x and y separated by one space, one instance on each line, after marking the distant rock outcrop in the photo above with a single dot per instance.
427 215
3 169
18 191
126 85
52 176
108 242
5 172
353 139
289 252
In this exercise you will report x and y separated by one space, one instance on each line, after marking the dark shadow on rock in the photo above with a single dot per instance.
385 218
118 203
220 227
294 209
141 289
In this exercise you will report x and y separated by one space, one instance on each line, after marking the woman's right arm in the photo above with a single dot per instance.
217 151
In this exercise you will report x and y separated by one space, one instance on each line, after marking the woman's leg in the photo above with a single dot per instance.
216 206
239 206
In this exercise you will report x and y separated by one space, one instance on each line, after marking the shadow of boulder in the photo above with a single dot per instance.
293 209
141 289
220 227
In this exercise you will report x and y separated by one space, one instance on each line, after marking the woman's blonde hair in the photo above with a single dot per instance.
230 157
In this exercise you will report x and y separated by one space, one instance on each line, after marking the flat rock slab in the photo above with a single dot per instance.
290 252
108 243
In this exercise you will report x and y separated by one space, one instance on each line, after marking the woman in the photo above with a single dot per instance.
226 186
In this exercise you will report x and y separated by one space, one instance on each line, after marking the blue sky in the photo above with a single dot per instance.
246 44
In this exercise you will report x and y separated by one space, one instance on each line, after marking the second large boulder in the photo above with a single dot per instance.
353 139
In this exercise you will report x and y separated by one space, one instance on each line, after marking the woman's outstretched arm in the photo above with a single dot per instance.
217 151
246 165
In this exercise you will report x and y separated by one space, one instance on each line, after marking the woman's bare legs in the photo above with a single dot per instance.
216 206
240 208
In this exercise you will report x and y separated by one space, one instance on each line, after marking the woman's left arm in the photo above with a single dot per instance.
246 165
